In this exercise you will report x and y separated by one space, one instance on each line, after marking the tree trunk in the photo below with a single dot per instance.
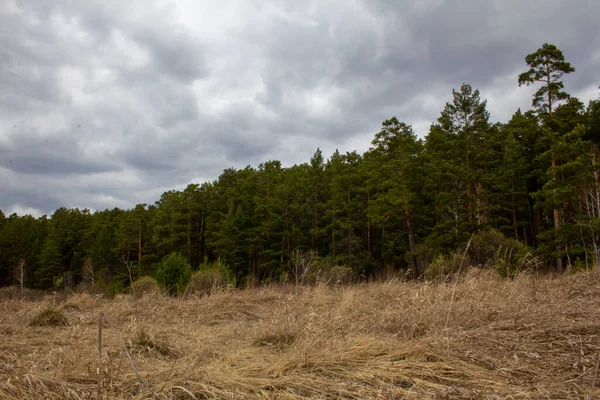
139 243
315 219
189 237
559 264
514 210
548 82
368 226
202 250
537 224
333 235
556 214
469 201
411 241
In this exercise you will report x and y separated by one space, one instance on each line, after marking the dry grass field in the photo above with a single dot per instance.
479 338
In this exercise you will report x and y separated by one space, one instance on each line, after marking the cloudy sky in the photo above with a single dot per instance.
110 103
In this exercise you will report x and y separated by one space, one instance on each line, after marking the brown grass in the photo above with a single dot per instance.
528 338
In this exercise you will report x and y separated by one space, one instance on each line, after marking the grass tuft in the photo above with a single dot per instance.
146 285
143 341
280 340
49 317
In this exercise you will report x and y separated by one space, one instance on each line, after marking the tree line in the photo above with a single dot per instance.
404 202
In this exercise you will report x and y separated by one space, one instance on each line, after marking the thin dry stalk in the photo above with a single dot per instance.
118 335
454 289
99 355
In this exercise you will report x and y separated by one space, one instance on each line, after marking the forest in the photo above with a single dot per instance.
524 189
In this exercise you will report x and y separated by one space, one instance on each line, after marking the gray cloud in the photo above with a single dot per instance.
107 104
28 154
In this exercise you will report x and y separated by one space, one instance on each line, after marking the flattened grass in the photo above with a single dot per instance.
527 338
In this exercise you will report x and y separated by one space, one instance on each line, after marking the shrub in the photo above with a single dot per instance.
490 245
325 271
205 281
49 317
173 273
115 287
485 246
444 267
509 264
144 285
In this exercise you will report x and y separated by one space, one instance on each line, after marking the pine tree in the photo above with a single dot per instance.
457 156
395 154
517 178
547 66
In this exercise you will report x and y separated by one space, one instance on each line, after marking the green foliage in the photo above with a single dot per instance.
445 267
173 273
547 65
509 264
327 272
51 265
459 162
116 286
488 244
393 164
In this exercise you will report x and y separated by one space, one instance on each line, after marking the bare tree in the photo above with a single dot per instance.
125 259
87 272
300 264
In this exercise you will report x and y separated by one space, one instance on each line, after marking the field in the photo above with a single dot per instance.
480 337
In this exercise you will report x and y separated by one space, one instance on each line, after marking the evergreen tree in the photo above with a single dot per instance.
517 179
393 172
457 158
547 66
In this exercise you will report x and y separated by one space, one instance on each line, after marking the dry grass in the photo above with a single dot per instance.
49 317
528 338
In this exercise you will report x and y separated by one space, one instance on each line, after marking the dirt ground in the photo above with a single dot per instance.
479 338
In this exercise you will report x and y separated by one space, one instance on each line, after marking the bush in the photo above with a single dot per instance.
325 271
489 246
509 264
485 245
49 317
115 287
144 285
205 281
173 273
444 267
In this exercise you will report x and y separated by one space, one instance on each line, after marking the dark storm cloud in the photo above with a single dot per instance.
131 99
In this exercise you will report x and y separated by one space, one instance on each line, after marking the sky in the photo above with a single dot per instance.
109 103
